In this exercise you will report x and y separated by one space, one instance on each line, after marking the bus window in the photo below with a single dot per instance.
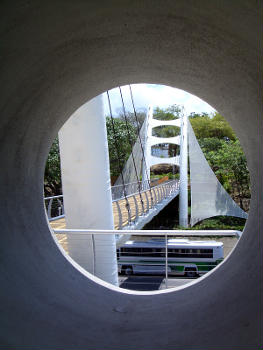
207 253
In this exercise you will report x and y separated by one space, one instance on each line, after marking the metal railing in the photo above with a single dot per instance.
117 191
54 207
164 279
124 215
128 212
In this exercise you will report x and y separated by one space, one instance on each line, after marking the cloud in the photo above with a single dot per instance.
155 95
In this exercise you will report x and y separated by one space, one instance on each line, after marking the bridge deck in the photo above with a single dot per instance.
61 223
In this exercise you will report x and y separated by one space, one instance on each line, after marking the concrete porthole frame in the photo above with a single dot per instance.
56 56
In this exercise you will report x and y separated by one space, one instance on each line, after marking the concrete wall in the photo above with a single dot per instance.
86 189
56 55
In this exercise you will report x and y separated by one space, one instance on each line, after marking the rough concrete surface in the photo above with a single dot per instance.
55 55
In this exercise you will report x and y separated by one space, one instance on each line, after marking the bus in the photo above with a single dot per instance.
185 257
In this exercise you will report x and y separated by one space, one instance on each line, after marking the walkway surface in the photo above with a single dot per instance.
61 223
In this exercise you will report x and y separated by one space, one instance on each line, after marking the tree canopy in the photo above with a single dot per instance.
121 138
52 178
215 126
169 113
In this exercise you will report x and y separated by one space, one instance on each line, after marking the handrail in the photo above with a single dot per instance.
58 208
157 186
161 192
53 197
132 188
178 233
164 233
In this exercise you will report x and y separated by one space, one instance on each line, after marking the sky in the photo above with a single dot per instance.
162 96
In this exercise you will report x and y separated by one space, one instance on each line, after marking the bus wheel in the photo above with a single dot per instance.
128 270
190 273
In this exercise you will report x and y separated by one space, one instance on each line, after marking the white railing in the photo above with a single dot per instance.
54 207
119 191
164 281
126 210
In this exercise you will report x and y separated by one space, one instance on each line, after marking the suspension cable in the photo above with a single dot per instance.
119 158
131 145
140 140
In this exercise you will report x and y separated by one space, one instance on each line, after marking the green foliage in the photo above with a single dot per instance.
173 150
221 223
123 145
166 131
130 116
230 166
210 144
197 115
216 126
52 179
216 223
171 113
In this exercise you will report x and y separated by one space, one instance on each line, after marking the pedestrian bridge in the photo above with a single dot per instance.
132 211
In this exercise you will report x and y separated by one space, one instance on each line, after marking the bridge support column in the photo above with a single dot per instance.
183 197
87 189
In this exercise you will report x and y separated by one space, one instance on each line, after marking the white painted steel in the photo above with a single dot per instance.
59 207
160 203
130 174
155 140
166 263
178 233
146 173
157 160
130 188
161 200
208 196
87 188
157 122
183 197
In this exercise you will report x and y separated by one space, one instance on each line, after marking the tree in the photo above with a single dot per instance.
232 169
166 131
52 179
216 126
130 116
123 146
210 144
170 113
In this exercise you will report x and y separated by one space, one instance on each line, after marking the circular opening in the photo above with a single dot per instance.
110 139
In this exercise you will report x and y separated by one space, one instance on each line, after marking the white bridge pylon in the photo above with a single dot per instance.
150 140
180 161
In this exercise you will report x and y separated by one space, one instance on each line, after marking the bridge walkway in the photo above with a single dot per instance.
139 214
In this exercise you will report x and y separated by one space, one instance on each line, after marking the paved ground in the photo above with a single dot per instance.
145 283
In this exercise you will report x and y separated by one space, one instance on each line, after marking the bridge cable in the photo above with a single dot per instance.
119 159
140 140
131 145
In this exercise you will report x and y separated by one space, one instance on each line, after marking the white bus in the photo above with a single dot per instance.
185 257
